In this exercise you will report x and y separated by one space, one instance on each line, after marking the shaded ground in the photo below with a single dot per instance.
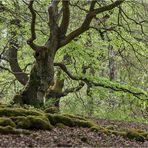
70 137
122 124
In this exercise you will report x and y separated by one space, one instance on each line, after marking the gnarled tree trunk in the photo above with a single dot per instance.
42 73
41 77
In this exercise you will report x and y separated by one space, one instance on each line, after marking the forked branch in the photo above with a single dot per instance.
33 33
86 23
94 81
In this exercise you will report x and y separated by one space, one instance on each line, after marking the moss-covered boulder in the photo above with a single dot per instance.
57 118
133 134
8 112
75 117
33 122
68 121
51 110
96 128
6 122
7 130
118 133
60 125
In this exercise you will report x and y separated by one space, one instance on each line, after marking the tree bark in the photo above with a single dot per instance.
54 93
13 50
41 76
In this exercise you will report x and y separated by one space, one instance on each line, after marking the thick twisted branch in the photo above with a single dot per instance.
86 23
104 83
33 34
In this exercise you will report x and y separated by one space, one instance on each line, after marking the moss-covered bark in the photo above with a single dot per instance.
41 76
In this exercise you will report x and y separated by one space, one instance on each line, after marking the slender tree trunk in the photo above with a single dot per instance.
112 68
111 56
41 76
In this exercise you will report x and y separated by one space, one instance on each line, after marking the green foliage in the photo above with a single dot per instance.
129 41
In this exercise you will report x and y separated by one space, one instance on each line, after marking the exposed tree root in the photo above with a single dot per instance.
17 120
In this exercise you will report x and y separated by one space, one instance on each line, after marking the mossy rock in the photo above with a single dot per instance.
6 122
57 118
21 122
74 117
144 134
118 133
21 118
12 130
85 124
96 128
8 112
7 130
39 122
131 134
60 125
51 110
68 121
33 122
110 127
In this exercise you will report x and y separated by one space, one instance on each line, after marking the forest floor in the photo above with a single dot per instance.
75 137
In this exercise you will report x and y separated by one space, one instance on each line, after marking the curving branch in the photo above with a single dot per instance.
104 83
16 70
64 68
86 23
72 90
33 33
21 76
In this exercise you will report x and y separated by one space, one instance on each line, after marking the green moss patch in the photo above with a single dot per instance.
6 122
133 134
8 112
7 129
51 110
130 134
15 120
75 117
96 128
60 125
33 122
68 121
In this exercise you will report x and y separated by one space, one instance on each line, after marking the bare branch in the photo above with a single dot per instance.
64 68
72 90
